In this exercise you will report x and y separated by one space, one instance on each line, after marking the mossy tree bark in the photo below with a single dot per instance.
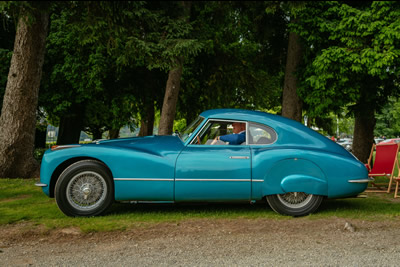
18 116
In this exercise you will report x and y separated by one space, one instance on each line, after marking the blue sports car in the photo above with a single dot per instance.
278 159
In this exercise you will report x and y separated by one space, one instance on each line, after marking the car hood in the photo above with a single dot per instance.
150 144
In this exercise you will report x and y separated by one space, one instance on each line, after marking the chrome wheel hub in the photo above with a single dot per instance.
295 199
86 191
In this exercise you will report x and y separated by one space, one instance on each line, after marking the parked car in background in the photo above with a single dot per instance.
391 141
347 143
378 140
291 166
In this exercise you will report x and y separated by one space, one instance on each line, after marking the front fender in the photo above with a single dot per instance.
134 169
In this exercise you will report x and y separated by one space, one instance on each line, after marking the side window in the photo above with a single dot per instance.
221 133
261 134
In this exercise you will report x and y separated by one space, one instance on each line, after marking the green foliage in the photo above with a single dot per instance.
180 125
86 73
111 58
353 54
388 120
331 123
38 153
240 66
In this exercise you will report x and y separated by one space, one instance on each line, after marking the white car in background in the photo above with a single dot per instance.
347 143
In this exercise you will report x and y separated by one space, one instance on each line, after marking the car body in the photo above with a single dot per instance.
287 163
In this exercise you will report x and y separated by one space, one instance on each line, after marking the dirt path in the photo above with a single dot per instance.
236 242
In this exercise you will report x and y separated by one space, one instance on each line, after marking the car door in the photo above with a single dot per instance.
206 172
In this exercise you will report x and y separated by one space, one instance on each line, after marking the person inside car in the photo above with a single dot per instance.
238 136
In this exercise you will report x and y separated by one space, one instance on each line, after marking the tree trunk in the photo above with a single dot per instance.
70 126
173 86
291 102
40 137
113 133
18 116
170 99
69 130
364 132
97 134
147 122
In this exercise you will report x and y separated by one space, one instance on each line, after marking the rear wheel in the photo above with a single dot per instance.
294 203
84 189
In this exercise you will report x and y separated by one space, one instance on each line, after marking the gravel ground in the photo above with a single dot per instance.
236 242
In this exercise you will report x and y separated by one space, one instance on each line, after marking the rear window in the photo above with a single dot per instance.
261 134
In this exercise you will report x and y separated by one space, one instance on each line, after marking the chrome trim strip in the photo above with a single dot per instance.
239 157
41 185
361 181
187 180
143 179
212 180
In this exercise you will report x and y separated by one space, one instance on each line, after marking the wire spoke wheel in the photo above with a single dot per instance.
85 188
295 199
86 191
294 203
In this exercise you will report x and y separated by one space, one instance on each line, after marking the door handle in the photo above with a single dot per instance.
238 157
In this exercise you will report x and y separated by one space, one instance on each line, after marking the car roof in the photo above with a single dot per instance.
242 114
290 132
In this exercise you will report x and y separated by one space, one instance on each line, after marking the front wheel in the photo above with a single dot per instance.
294 203
84 189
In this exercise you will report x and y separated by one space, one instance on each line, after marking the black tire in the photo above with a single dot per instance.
85 188
294 203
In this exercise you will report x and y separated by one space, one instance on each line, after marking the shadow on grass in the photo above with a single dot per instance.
372 207
21 201
193 209
367 208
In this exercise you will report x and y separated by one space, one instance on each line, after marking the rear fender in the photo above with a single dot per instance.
304 183
295 175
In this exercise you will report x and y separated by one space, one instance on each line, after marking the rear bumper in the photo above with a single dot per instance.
362 181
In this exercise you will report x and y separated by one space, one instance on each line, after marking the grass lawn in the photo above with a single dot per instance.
22 202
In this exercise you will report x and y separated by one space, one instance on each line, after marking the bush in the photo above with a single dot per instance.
38 153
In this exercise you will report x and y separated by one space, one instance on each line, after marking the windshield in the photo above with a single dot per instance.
190 129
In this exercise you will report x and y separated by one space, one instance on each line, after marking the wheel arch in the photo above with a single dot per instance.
60 168
295 175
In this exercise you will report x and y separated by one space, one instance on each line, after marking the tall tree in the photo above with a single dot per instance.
171 98
242 63
353 60
94 92
173 83
7 37
291 102
106 46
18 116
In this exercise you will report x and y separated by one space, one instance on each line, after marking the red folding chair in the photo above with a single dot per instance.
385 164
